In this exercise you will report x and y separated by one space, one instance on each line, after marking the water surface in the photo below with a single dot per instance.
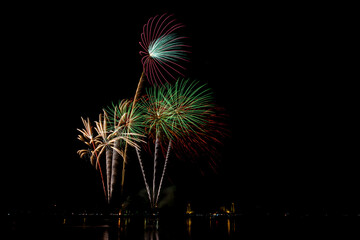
123 228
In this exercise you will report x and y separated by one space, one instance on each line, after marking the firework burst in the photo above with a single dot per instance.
124 119
204 145
191 105
112 138
88 138
179 117
163 49
112 135
177 110
173 113
162 56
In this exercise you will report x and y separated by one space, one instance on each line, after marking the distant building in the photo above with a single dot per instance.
232 209
222 209
188 209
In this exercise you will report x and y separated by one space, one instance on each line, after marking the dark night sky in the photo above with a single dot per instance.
282 73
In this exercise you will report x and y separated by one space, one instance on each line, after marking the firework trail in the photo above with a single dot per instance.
105 143
190 107
156 114
116 124
124 121
163 172
161 56
156 156
138 153
88 139
174 112
137 95
181 115
118 120
110 139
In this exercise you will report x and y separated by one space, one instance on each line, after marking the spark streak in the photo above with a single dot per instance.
163 49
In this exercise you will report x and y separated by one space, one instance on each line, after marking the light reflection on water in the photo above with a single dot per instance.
138 228
106 235
152 229
194 228
151 234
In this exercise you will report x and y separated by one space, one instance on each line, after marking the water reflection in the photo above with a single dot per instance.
227 225
151 234
151 228
123 228
230 226
106 235
151 223
122 224
188 226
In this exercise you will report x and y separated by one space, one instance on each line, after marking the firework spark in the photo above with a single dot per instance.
87 137
204 145
180 116
191 105
162 55
112 134
107 140
177 110
174 112
124 120
163 49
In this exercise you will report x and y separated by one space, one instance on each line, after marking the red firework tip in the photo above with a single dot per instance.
162 49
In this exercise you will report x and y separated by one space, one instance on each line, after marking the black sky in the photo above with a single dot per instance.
282 73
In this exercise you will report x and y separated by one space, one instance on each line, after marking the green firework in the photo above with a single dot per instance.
125 120
191 106
177 110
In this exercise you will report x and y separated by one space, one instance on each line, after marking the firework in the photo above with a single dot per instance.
138 153
113 132
87 137
177 117
110 139
163 172
162 55
204 145
191 105
174 112
105 142
157 112
177 110
163 49
124 119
